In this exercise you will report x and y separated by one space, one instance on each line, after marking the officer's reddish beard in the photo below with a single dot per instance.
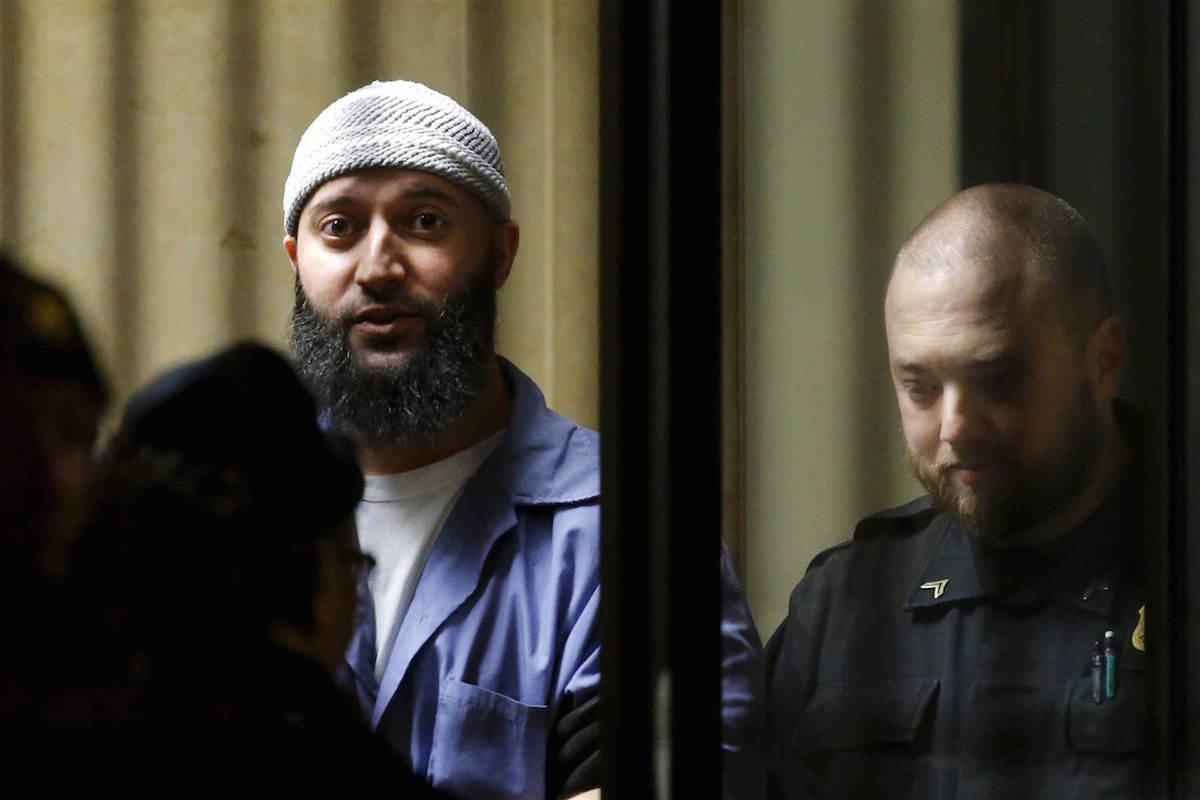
1012 498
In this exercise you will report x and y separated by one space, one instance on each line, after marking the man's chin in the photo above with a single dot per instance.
382 361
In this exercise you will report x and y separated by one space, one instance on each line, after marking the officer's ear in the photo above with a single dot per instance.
1106 357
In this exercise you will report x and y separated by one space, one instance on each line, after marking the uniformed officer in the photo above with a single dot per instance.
957 646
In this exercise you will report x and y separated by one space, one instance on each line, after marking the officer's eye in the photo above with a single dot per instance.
999 383
919 392
337 226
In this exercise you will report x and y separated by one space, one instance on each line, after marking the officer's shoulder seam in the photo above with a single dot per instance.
820 558
901 520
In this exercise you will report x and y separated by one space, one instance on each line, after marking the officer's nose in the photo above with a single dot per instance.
962 418
383 260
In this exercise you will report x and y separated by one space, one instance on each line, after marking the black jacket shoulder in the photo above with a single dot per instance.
905 519
902 520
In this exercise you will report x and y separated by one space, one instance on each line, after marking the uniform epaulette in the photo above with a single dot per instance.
905 519
821 557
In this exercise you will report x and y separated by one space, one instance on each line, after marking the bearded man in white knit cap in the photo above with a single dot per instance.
476 653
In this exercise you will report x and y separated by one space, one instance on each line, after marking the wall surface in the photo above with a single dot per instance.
850 115
144 145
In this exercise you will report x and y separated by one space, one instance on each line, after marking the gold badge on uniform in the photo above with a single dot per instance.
1139 633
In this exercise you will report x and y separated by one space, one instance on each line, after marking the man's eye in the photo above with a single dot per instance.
337 227
427 221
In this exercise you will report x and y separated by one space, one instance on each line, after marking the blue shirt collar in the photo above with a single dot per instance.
544 458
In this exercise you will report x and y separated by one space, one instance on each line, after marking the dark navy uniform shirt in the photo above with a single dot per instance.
917 661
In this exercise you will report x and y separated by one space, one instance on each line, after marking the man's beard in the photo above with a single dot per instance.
1013 500
405 403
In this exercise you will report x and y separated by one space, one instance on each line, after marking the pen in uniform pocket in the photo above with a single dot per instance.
1110 665
1097 673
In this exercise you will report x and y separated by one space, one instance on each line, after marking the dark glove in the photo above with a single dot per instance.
574 751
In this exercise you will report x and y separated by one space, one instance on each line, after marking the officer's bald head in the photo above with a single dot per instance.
1005 357
1029 240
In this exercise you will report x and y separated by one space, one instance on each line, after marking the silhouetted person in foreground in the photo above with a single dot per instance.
51 397
218 576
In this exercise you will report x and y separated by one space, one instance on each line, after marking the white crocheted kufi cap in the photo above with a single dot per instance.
396 124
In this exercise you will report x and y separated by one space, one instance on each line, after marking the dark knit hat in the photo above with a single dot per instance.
214 496
244 411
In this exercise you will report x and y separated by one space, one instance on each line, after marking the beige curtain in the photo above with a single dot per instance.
144 145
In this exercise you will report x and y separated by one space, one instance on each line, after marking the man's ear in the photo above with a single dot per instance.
289 244
1106 357
505 240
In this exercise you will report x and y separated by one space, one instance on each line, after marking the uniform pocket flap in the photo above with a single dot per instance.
1113 726
847 716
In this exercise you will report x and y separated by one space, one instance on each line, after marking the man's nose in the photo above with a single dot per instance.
383 261
962 416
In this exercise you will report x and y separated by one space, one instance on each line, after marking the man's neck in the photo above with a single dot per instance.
488 414
1108 466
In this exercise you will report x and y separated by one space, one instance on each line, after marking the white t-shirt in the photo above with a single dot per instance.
398 522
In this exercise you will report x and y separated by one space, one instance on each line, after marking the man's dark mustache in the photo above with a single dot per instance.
401 305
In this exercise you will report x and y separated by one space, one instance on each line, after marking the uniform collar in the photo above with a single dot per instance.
1085 569
949 575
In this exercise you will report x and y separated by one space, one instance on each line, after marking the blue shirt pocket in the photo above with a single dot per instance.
486 744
